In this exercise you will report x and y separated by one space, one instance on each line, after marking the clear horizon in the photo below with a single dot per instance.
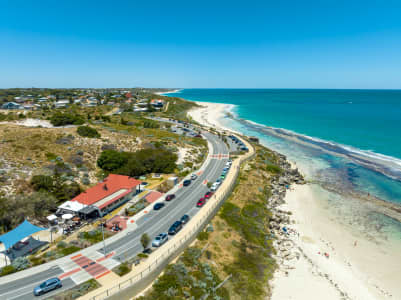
263 44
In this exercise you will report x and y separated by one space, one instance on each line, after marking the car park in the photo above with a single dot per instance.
158 206
201 202
184 219
170 197
175 228
47 286
160 240
186 182
194 176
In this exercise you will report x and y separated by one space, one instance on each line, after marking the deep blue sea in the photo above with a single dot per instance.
347 138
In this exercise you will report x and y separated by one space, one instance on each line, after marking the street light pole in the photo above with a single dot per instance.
104 243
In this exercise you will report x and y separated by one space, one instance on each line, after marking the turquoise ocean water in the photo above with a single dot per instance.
346 140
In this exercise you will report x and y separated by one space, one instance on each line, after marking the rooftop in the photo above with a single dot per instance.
105 192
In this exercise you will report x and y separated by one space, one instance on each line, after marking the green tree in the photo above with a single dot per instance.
145 240
111 160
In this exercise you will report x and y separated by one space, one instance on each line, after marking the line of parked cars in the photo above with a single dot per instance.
218 182
174 229
240 144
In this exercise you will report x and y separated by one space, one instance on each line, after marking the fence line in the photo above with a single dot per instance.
162 257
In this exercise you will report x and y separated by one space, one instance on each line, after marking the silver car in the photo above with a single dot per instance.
47 286
160 240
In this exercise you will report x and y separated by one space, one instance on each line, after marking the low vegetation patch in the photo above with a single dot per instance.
188 278
87 131
63 119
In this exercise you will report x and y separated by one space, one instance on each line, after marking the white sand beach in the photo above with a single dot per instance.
354 267
209 114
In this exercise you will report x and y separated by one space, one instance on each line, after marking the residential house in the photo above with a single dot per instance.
62 103
11 105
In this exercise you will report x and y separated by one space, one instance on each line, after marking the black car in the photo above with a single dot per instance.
184 219
157 206
170 197
187 182
175 228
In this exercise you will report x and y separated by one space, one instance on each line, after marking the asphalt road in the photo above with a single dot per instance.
128 245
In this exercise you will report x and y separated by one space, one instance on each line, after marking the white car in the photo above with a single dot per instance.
194 176
215 186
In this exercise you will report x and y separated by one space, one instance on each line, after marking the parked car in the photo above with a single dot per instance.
175 228
147 251
214 187
170 197
184 219
158 206
201 202
208 195
194 176
47 286
223 176
160 240
186 182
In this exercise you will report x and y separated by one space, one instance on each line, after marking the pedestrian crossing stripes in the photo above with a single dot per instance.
219 156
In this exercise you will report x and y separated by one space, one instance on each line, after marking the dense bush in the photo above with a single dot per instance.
7 270
203 236
138 163
87 131
42 182
55 186
111 160
62 119
14 209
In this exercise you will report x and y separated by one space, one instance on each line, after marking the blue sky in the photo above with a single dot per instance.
248 44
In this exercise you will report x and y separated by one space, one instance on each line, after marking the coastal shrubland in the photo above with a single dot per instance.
190 277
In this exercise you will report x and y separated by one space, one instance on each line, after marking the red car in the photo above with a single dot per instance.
208 195
201 202
170 197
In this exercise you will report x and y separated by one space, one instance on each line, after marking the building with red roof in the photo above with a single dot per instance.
107 195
